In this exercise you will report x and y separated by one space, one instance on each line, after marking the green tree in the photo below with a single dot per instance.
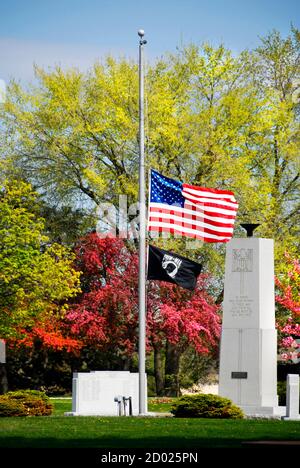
36 278
77 133
65 224
276 161
212 119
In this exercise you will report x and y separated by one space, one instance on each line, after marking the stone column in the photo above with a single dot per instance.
292 397
248 355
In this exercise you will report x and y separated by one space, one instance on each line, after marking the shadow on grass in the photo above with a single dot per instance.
139 443
158 442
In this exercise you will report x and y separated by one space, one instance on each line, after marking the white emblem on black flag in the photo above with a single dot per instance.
167 266
171 265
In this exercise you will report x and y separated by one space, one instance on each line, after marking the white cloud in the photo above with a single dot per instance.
18 56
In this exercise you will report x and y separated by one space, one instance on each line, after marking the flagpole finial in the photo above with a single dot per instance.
141 33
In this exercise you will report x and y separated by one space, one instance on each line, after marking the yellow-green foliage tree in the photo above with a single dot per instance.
76 134
211 119
36 278
276 163
234 124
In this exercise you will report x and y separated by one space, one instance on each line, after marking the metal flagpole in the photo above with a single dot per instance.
142 235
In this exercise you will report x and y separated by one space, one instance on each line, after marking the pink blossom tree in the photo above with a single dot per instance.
105 315
288 310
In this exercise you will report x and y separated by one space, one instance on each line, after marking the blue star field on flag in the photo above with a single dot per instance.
165 190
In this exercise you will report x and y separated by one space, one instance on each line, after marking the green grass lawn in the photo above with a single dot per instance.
137 432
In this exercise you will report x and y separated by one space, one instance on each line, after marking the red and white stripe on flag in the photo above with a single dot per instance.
207 214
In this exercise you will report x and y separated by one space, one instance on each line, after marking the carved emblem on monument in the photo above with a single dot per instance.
242 261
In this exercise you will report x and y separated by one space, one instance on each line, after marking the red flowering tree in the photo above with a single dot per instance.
178 319
41 356
50 333
105 316
288 310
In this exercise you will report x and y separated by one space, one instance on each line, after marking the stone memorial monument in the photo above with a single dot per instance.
105 393
248 354
292 398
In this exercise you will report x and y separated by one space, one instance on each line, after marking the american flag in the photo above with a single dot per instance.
202 213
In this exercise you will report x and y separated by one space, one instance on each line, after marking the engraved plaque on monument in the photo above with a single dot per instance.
239 375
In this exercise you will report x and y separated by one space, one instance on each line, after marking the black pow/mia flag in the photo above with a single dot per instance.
167 266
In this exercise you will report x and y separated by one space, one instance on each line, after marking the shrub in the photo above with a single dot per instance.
205 406
9 407
25 403
54 390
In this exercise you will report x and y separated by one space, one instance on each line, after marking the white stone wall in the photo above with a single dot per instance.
93 393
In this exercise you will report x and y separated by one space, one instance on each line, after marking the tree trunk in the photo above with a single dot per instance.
127 363
158 370
3 379
172 370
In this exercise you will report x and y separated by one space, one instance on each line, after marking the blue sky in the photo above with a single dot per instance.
78 32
